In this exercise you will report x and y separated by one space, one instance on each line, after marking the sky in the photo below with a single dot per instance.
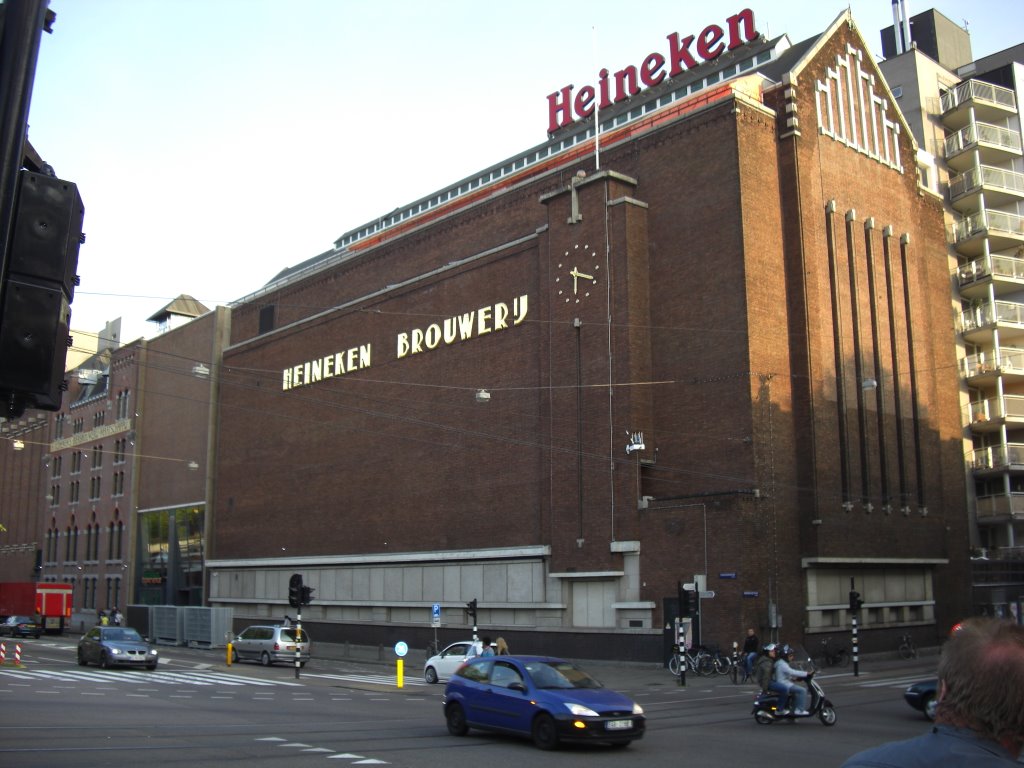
216 142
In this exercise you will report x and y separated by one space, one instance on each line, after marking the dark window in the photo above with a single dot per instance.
266 318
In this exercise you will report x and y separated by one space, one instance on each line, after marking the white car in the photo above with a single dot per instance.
443 665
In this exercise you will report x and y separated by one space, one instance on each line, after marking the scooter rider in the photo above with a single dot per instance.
784 685
764 669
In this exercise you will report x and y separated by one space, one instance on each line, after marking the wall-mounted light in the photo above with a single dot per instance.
193 465
19 445
483 396
200 370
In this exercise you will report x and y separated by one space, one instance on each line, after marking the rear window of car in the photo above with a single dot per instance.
289 634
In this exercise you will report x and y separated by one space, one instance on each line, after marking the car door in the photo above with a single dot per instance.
452 658
247 642
507 702
90 645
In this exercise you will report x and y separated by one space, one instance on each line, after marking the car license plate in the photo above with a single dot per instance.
618 725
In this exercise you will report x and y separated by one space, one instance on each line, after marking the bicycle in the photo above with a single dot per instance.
906 648
700 662
837 658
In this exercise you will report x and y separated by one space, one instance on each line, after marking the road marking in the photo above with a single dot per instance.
132 677
375 679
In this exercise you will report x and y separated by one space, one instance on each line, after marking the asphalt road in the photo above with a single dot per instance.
198 711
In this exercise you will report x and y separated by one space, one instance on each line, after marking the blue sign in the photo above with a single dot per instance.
751 594
727 575
436 611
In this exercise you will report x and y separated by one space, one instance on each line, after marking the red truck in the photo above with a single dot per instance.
50 602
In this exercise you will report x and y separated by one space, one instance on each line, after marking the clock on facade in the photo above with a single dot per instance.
577 273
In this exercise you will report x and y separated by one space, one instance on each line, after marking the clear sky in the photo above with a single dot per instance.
216 142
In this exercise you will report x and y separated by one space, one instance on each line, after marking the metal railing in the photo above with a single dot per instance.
985 176
992 408
1011 267
988 222
1001 360
982 133
990 313
1009 456
978 90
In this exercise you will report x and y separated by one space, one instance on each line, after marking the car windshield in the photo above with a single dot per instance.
127 635
559 674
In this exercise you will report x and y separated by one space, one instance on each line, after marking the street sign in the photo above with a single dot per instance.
707 595
435 615
689 586
401 648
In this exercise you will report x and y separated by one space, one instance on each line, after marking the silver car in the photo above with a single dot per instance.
443 665
270 643
116 647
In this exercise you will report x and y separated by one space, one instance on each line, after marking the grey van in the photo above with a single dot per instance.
270 643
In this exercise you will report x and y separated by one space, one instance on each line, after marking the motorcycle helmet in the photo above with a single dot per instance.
787 651
771 647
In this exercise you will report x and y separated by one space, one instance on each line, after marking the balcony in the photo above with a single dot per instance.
997 458
1001 508
990 414
1003 231
985 366
1004 273
990 102
995 146
977 323
999 186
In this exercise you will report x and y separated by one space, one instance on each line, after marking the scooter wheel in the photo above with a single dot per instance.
827 716
763 717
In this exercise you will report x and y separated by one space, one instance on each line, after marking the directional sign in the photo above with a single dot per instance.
707 595
401 648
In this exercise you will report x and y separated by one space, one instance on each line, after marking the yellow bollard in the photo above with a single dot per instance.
401 664
229 654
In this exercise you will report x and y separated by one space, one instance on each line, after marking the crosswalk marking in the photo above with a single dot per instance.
131 677
375 679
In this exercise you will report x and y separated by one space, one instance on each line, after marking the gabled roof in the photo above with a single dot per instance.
184 305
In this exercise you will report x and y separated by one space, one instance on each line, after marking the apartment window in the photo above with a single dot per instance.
59 424
67 544
98 419
73 492
57 464
122 404
114 551
54 495
97 456
95 485
76 462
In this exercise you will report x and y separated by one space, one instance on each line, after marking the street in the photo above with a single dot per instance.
198 711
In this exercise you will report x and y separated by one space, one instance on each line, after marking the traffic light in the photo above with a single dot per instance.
855 601
295 590
307 595
38 287
471 608
688 603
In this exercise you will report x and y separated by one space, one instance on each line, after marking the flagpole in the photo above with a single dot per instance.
597 106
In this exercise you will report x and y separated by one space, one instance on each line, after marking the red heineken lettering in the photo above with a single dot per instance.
683 53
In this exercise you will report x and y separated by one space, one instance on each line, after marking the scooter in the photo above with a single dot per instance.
768 707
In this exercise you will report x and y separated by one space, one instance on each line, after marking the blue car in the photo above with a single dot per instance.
923 696
546 699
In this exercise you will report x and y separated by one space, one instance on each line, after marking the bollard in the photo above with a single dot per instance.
229 654
401 679
3 652
17 654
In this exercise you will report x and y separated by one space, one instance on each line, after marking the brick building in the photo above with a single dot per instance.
706 348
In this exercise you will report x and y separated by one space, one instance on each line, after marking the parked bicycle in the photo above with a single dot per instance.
697 660
906 648
839 657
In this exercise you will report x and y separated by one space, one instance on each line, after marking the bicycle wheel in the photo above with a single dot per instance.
706 666
723 664
734 673
907 651
673 664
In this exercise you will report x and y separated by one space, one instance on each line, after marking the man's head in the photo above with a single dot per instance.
750 632
981 677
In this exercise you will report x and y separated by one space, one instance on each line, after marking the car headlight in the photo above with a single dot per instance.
153 652
580 711
637 709
115 651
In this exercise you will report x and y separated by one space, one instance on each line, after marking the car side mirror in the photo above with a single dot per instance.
517 687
